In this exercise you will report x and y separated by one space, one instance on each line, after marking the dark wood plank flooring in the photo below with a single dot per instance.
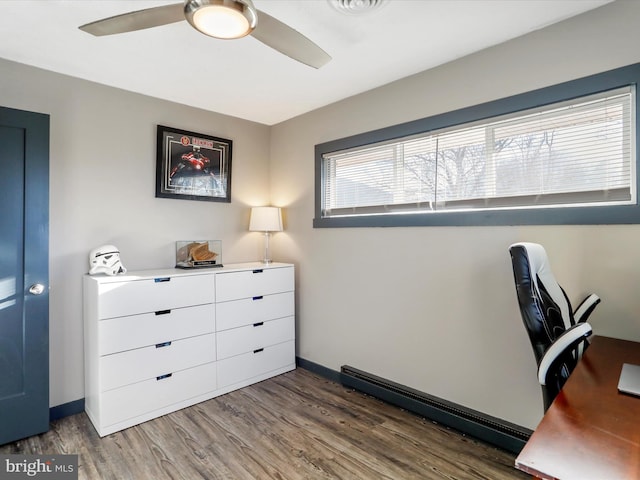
294 426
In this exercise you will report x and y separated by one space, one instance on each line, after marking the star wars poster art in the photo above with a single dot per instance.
193 166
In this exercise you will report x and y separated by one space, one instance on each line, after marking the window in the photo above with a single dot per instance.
569 160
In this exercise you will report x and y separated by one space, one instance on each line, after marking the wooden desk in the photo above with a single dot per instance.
590 431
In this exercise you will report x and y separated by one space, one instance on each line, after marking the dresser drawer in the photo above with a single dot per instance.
237 313
117 299
126 333
244 367
254 337
141 364
140 398
253 283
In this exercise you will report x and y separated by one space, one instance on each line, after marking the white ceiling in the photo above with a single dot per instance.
247 79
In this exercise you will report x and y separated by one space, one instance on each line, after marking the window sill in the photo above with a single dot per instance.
622 214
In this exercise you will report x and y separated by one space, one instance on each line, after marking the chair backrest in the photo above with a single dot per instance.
544 307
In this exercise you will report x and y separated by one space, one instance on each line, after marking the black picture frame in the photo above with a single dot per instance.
193 166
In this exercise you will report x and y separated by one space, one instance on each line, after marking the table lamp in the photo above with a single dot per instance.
266 220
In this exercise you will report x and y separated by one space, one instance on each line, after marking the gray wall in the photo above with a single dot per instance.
103 158
434 307
431 307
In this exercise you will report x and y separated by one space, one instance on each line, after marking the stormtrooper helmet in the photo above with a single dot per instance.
105 259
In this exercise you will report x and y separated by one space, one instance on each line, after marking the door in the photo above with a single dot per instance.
24 274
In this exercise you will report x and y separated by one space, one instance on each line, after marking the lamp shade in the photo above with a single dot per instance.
222 18
265 219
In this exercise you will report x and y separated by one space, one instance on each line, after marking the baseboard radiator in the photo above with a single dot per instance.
489 429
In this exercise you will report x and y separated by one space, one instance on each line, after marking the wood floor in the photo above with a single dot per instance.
294 426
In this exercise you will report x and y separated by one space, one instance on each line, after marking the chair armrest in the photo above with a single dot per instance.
585 308
564 343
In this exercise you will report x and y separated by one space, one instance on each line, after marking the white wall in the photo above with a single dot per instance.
434 308
102 160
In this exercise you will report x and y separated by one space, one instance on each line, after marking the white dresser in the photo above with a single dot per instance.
160 340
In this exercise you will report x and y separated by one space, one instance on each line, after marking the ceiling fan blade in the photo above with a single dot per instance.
288 41
138 20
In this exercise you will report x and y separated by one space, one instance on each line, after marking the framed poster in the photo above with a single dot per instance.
193 166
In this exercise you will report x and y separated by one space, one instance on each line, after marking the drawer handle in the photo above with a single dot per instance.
258 350
163 312
163 344
259 324
166 375
259 297
162 279
259 270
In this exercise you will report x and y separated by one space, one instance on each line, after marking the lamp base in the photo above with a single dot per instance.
266 260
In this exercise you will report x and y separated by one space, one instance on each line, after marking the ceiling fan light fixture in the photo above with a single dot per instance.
226 19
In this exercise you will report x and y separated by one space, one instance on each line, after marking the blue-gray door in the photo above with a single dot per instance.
24 274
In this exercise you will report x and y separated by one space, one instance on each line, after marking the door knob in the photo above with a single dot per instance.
36 289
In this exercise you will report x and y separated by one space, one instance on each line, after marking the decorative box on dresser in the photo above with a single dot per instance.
157 341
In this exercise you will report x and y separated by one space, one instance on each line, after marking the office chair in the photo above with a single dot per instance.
557 333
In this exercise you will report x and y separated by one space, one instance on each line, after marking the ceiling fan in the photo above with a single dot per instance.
227 19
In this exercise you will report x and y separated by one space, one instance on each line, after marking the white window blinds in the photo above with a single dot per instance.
574 153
